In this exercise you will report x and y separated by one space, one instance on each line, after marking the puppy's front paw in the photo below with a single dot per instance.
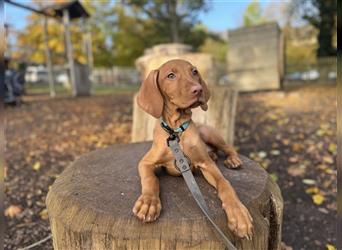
147 208
239 219
233 161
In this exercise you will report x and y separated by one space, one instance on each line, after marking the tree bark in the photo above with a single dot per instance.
325 23
172 9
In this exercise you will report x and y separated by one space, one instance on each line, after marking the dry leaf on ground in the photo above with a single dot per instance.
12 211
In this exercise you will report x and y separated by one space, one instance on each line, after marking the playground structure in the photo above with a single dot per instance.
65 13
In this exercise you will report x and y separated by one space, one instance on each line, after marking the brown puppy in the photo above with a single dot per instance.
171 92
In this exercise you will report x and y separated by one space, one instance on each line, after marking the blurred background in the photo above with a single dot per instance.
72 68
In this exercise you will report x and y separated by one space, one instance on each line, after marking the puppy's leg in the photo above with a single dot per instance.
210 136
239 218
213 155
147 207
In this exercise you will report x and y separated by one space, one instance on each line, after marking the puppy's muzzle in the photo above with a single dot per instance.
196 90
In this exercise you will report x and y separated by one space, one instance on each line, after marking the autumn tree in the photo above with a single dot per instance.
142 24
120 30
173 18
31 39
322 15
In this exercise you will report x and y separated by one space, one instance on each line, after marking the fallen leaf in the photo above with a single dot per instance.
36 166
296 171
265 163
322 167
329 171
320 132
330 247
312 190
44 214
274 177
275 152
283 246
332 148
328 159
318 199
286 141
296 147
12 211
262 154
332 206
323 210
309 181
293 159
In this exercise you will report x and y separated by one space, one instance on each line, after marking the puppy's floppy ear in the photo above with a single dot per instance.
205 93
149 96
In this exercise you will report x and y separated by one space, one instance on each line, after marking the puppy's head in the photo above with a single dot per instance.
176 82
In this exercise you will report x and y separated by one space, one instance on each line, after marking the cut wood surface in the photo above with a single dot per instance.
90 206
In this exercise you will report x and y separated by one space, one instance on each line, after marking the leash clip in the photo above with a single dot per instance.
172 137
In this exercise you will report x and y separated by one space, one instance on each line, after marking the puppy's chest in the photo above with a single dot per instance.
191 150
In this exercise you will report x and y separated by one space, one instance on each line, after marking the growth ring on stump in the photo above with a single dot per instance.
90 206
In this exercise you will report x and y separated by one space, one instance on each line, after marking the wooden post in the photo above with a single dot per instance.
90 206
48 58
87 44
90 57
69 50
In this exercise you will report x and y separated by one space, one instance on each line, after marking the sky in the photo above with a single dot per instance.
222 15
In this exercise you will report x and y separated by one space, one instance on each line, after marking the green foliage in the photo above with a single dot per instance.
299 57
171 18
142 24
253 14
120 30
31 37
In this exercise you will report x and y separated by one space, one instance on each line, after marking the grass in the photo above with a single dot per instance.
35 89
103 89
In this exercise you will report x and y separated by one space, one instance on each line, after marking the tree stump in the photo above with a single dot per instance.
90 206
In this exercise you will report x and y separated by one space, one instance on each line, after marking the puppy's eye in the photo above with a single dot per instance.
195 72
171 75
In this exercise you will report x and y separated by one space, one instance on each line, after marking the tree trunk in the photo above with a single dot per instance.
172 9
326 26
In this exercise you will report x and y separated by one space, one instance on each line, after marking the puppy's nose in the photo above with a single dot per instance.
196 90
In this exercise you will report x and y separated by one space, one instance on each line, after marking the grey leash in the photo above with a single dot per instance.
184 167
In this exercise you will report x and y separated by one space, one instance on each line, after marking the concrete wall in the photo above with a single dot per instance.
256 57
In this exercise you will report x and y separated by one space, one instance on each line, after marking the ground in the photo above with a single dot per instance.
292 134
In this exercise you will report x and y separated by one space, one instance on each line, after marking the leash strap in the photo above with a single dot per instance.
184 167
